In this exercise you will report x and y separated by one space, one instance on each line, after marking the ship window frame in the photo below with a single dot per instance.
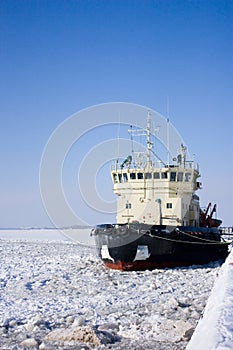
148 176
180 176
120 177
156 175
164 175
125 177
132 176
140 176
173 176
115 178
187 177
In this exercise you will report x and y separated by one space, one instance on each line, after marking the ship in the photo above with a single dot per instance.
159 221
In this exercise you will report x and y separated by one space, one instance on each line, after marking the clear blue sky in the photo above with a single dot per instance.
57 57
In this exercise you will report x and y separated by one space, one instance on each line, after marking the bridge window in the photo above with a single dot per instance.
187 177
173 176
180 177
169 205
132 176
164 175
128 206
156 175
125 177
120 177
115 178
140 176
148 175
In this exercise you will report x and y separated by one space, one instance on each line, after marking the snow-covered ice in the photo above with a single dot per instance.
215 329
56 294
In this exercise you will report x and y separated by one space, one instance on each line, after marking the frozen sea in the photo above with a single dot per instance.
56 294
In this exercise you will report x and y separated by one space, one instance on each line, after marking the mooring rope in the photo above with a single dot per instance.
207 242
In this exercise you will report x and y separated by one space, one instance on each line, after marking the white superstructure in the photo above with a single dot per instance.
157 195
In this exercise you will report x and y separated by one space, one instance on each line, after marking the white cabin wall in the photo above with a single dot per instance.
155 201
137 208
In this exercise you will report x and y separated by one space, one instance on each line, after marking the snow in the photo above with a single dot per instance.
56 294
215 329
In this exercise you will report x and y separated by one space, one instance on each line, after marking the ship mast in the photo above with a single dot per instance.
149 143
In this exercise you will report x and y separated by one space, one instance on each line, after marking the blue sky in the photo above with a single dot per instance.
58 57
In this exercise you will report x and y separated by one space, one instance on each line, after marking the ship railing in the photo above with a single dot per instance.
186 165
227 233
227 230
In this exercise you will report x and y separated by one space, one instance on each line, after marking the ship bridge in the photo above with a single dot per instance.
155 192
156 195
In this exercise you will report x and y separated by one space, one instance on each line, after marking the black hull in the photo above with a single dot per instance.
120 246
